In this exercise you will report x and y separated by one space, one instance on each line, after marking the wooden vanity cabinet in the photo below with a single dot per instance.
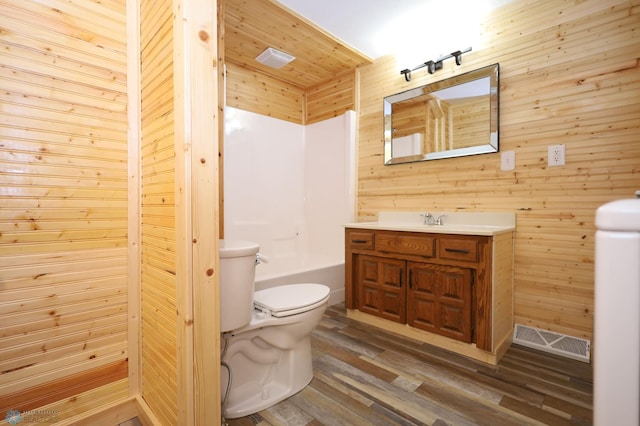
439 283
381 287
439 299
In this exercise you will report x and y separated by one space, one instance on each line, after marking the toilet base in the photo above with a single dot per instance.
269 396
261 384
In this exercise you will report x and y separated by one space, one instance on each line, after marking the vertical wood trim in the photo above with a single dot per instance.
355 160
134 226
305 108
196 145
204 132
502 304
221 104
184 255
484 298
355 156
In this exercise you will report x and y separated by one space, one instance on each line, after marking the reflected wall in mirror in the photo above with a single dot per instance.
449 118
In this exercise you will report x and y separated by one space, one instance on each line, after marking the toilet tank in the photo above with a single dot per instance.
616 353
237 282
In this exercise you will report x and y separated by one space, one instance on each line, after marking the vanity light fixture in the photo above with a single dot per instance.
433 66
274 58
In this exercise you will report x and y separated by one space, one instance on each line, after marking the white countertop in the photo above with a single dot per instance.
480 223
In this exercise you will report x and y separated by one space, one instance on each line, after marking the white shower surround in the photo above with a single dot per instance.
291 188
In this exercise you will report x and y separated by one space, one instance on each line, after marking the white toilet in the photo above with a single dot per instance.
266 334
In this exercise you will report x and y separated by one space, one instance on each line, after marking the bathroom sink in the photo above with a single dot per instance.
458 223
464 229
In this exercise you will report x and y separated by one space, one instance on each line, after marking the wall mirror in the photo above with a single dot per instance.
449 118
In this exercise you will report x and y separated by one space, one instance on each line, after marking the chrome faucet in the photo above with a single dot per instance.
430 219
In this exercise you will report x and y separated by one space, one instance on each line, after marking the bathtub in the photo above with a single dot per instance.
309 269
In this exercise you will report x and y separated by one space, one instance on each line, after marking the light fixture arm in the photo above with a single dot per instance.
433 66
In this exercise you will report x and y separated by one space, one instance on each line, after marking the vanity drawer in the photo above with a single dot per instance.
360 240
455 249
417 245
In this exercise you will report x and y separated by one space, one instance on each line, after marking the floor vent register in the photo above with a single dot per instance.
559 344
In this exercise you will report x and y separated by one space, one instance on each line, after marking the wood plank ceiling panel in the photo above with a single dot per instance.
251 26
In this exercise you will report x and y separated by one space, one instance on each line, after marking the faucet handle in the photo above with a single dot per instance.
428 218
439 219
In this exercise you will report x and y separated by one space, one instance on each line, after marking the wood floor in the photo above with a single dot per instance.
364 376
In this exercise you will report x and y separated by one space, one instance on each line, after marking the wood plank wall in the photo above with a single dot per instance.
252 90
332 98
158 270
63 198
569 75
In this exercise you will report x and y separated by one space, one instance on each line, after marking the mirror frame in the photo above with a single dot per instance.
491 146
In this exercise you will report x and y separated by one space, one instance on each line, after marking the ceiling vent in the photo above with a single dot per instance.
274 58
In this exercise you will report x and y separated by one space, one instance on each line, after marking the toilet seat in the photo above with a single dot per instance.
286 300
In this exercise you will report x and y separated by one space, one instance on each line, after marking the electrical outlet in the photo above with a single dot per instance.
556 155
508 160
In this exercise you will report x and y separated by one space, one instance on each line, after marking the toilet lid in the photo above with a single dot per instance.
291 299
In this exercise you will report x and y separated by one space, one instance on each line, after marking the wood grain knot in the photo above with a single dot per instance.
204 36
209 272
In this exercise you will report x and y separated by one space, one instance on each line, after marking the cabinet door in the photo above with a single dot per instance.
381 287
439 299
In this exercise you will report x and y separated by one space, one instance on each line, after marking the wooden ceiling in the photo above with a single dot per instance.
250 26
